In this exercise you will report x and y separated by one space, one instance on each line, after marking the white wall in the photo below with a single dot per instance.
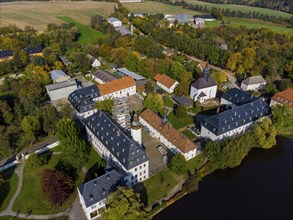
118 94
96 63
253 87
210 92
61 93
188 155
169 90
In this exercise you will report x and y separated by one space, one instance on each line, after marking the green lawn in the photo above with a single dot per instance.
159 185
168 101
7 191
95 163
243 8
180 122
14 218
87 33
31 196
195 162
189 134
251 23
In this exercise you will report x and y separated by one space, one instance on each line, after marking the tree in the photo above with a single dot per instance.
36 160
124 204
220 77
154 102
57 186
149 87
50 117
30 125
75 150
181 111
178 164
176 70
265 134
282 117
96 21
105 105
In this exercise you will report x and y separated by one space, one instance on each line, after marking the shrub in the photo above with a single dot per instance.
36 160
178 164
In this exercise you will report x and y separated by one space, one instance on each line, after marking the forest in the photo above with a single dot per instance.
280 5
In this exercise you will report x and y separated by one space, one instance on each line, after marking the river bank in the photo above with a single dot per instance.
242 192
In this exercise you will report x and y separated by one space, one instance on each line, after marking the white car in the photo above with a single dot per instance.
162 150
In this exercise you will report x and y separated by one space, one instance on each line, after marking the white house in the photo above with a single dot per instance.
283 98
253 83
93 194
168 135
115 22
117 148
203 88
205 17
234 121
61 90
94 61
166 83
199 22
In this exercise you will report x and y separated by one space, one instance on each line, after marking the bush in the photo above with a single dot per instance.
178 164
36 160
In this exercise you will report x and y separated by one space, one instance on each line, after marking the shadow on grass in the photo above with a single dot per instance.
68 169
6 187
94 171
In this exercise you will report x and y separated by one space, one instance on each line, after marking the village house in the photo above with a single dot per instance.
58 76
93 194
283 98
121 151
102 77
94 61
253 83
166 83
234 121
203 88
169 136
139 80
115 22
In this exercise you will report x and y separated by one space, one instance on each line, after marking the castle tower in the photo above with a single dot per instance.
206 73
136 130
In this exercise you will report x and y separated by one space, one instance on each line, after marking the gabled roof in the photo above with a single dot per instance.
182 18
92 58
201 83
82 99
285 97
104 76
186 101
61 85
6 53
123 31
99 188
33 50
116 85
65 61
56 74
127 72
236 117
165 80
166 130
238 96
254 80
127 151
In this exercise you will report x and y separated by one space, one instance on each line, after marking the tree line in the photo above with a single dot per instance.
219 12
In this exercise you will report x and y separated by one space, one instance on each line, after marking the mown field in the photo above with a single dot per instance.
242 8
39 14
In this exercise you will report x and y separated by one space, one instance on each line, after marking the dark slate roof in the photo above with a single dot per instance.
238 96
5 53
99 188
236 117
104 76
121 146
33 50
186 101
82 99
204 16
201 83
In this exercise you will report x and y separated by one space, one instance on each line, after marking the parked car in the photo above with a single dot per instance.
161 150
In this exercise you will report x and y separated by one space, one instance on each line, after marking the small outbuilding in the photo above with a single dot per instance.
58 76
115 22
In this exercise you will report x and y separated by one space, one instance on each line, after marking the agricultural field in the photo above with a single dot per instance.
242 8
39 14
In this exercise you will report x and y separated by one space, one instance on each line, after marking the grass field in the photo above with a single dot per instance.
242 8
189 134
39 14
180 122
87 33
8 191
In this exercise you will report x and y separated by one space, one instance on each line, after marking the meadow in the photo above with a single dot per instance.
242 8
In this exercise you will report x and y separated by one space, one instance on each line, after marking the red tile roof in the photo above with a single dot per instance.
285 97
116 85
165 80
167 131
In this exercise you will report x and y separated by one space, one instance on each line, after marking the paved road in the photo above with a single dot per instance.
35 147
229 74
